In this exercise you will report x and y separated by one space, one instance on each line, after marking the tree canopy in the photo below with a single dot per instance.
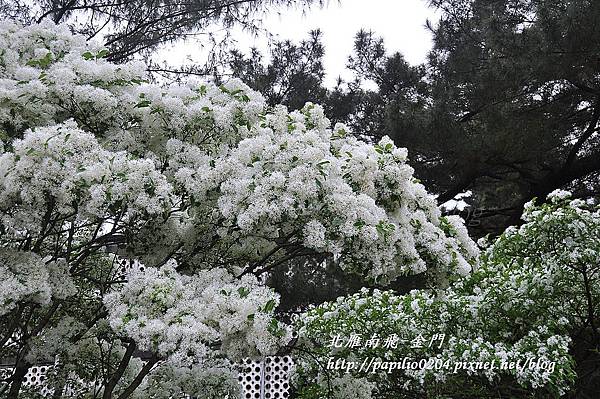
206 188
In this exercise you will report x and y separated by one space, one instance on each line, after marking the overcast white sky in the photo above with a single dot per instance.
400 22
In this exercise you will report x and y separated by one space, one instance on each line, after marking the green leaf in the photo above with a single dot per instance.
274 329
341 133
269 306
143 104
102 54
243 291
359 224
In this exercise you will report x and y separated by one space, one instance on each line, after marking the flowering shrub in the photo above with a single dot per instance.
30 279
180 316
205 186
536 287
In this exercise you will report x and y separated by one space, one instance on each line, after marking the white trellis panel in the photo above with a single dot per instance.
260 379
266 379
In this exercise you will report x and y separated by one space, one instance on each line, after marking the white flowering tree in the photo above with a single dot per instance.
204 189
536 290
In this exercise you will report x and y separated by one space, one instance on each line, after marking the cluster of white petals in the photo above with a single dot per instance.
212 380
27 278
299 181
269 173
182 316
202 184
64 170
518 306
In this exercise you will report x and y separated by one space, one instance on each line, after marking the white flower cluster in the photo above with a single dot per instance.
468 338
347 387
516 307
92 154
27 278
185 317
48 75
269 173
63 170
297 178
213 380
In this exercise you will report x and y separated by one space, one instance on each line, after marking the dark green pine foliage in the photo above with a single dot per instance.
293 76
515 103
506 106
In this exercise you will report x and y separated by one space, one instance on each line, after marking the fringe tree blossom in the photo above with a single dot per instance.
226 151
65 170
182 316
204 185
536 287
25 277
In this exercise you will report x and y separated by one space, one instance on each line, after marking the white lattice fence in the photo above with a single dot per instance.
265 379
35 378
